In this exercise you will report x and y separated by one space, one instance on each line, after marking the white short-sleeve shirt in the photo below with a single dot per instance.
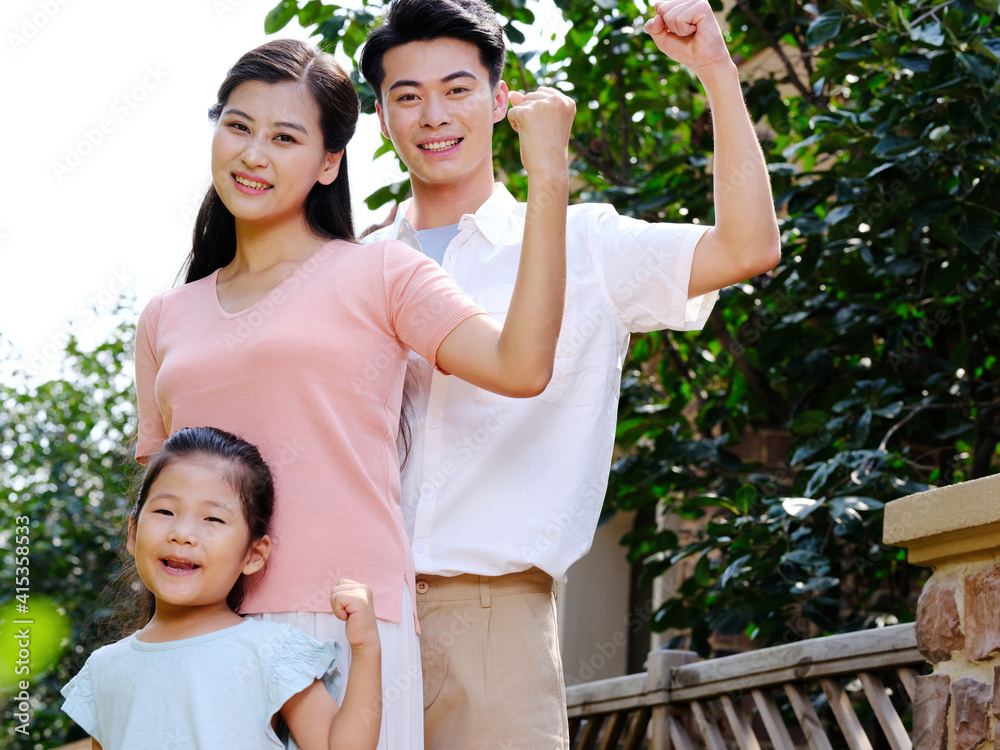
496 485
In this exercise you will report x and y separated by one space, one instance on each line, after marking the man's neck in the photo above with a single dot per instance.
436 205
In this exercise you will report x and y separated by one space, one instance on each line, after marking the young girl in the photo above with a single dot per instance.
198 674
291 334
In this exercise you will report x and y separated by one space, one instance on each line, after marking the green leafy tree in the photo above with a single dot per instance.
871 348
66 470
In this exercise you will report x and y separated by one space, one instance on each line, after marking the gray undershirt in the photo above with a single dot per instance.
434 242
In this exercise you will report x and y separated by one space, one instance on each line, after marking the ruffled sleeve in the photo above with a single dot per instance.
298 660
80 705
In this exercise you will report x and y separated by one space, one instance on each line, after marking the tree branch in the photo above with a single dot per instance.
775 44
776 407
608 171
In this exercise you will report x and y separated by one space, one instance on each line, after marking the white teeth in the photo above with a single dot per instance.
440 145
251 183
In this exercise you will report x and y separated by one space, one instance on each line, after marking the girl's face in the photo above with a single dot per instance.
268 152
190 541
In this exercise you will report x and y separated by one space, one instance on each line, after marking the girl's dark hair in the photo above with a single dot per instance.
472 21
247 474
328 207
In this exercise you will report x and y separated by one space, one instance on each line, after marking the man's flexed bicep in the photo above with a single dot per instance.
744 241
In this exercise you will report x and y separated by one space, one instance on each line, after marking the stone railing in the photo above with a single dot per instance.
955 531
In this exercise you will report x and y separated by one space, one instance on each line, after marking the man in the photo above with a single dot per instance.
501 495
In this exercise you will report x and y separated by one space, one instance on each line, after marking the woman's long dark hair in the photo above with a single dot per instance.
328 207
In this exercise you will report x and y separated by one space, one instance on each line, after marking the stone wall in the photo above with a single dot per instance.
955 531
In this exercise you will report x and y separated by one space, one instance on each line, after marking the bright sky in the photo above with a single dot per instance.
106 150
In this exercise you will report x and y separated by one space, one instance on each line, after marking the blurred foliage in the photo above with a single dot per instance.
67 468
870 351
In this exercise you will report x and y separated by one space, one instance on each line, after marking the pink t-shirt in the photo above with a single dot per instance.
313 376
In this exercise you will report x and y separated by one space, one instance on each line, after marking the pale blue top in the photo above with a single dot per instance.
213 691
434 242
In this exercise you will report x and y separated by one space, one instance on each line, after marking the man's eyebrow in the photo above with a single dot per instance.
245 116
446 79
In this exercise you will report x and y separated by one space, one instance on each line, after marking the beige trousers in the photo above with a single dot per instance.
492 673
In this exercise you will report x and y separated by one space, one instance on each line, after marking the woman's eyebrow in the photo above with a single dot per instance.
245 116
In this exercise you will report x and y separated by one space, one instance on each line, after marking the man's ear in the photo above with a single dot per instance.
331 168
501 98
257 555
381 120
130 539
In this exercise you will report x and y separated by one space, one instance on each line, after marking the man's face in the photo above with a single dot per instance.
438 110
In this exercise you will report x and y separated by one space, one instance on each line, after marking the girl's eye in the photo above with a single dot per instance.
163 511
214 519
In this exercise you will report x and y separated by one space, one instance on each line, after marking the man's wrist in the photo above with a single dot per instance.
718 73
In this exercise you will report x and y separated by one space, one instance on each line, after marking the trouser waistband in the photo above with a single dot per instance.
483 588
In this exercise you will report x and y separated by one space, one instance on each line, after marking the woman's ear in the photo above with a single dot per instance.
257 555
331 168
130 539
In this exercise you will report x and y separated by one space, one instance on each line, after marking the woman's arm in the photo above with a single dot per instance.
517 360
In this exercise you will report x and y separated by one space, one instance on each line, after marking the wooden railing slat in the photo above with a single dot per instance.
660 728
908 677
812 727
637 730
709 729
613 731
590 731
773 723
739 724
885 712
840 702
678 734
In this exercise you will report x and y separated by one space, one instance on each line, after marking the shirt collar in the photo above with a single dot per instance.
491 218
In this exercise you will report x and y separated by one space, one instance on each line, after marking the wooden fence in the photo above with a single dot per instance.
846 691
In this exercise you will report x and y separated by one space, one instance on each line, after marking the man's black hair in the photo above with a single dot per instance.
405 21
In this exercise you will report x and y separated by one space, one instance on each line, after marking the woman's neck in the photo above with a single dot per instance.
176 623
259 248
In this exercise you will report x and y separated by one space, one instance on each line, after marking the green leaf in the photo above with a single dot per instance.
733 569
800 507
805 559
824 27
988 48
810 422
928 33
893 145
383 195
279 16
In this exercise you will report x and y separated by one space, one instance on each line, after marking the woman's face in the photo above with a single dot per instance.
268 152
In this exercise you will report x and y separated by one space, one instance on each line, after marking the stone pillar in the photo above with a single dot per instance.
955 531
